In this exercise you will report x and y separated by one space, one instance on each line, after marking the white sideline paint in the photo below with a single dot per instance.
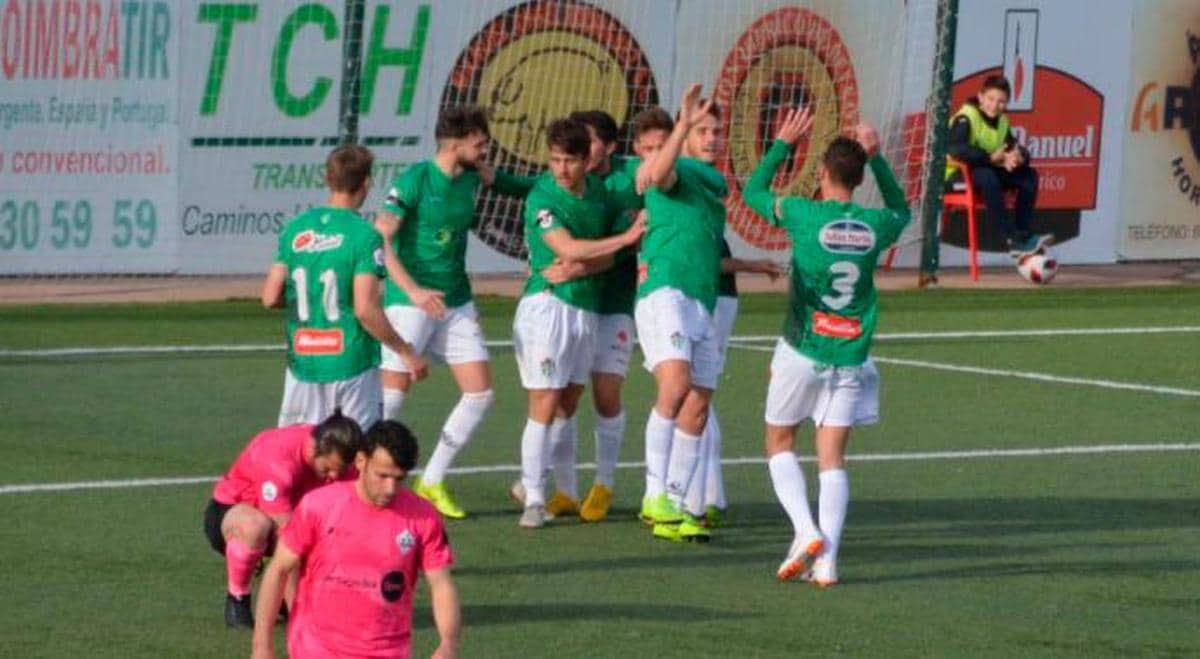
1024 375
85 351
512 468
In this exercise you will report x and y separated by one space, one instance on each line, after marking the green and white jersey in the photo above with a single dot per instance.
323 249
549 207
619 283
437 213
685 226
835 248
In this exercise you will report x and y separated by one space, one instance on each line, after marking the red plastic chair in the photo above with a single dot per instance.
964 199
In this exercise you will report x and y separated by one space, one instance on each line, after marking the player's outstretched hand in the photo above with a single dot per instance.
638 229
769 268
563 271
693 110
487 173
868 137
796 123
417 368
429 301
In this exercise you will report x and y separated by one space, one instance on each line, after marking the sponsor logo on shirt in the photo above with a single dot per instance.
847 237
311 241
545 218
838 327
443 236
269 491
392 586
406 541
317 342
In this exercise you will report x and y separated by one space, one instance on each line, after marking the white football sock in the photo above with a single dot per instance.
563 442
659 432
714 476
788 481
693 502
393 400
535 448
685 454
610 432
456 434
832 504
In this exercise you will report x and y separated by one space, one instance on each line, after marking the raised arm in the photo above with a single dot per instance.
757 194
659 170
893 194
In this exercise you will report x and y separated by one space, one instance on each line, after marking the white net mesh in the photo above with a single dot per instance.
178 137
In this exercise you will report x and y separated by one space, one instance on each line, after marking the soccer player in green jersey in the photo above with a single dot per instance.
326 273
426 219
821 367
554 332
679 266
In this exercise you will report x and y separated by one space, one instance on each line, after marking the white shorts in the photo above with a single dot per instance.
455 339
672 326
360 397
724 317
554 342
615 336
800 389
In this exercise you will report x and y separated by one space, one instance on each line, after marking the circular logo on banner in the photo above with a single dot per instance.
537 62
788 58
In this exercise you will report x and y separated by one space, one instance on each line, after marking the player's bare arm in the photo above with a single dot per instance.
563 271
372 318
447 615
272 290
270 596
659 171
797 122
568 248
755 266
428 300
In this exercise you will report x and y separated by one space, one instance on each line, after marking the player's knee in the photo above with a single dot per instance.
608 406
779 440
481 401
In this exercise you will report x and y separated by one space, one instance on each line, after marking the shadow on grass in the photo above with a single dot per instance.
478 615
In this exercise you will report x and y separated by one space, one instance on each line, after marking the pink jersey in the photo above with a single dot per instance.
271 473
359 572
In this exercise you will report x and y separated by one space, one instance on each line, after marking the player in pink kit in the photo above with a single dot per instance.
258 493
358 547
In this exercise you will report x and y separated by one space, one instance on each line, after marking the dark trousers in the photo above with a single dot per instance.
991 182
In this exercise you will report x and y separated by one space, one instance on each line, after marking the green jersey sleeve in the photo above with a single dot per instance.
368 260
757 194
898 214
513 185
404 195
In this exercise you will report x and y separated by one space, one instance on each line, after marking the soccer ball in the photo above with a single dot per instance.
1038 268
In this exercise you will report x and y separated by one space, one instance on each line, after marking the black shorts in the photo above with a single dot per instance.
213 516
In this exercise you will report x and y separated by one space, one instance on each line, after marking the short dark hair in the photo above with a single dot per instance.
570 136
650 119
348 167
600 121
338 434
997 82
395 438
844 160
458 121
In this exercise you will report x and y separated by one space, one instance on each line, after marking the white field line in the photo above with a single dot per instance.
84 351
1023 375
1097 449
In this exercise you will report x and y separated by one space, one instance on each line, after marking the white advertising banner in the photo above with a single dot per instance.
1067 108
88 136
1161 186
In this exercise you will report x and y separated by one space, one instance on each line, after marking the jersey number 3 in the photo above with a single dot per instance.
845 276
329 294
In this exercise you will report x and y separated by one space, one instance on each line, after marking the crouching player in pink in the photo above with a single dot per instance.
258 493
358 547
